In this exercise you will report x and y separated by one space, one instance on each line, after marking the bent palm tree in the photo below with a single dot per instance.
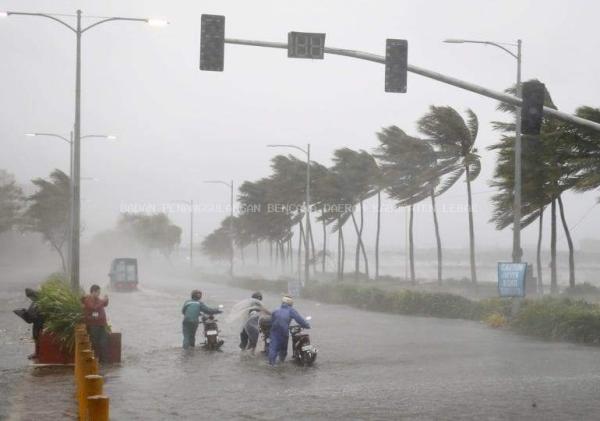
454 141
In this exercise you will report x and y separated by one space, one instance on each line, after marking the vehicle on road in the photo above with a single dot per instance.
212 342
303 352
123 274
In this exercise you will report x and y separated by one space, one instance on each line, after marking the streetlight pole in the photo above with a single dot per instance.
307 210
231 239
517 252
78 30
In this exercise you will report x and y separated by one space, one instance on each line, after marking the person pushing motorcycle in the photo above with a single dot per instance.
249 334
280 324
192 309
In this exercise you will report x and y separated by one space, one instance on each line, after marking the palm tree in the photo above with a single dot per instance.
586 159
264 216
356 170
550 163
411 172
454 141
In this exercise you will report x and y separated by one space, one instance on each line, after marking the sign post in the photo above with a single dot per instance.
511 279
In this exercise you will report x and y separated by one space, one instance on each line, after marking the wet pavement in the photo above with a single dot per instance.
370 366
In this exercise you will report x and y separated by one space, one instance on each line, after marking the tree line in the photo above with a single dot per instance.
410 170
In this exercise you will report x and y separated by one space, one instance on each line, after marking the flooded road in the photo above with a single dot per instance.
370 366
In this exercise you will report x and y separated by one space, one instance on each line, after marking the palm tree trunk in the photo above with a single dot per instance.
339 250
62 257
242 254
360 247
569 241
276 255
300 243
290 253
362 244
411 246
271 253
257 252
553 280
539 254
343 254
282 246
312 247
437 239
324 257
471 228
357 251
377 235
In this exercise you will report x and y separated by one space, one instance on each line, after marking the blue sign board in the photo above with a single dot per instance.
511 279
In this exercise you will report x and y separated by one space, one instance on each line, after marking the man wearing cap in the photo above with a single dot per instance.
280 323
192 309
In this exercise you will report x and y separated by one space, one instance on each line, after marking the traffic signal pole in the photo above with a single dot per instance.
480 90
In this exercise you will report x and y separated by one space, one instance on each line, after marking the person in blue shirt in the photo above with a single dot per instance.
192 309
280 323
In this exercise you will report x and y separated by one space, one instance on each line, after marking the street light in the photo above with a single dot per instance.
70 142
517 252
157 22
230 185
307 153
78 30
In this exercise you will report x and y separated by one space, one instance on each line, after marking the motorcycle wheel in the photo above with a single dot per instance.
307 358
211 342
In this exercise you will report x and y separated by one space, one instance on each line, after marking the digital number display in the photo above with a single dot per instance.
306 45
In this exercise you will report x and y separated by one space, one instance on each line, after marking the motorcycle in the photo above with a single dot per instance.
212 342
303 352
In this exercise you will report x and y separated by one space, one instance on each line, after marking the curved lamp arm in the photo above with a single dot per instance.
42 15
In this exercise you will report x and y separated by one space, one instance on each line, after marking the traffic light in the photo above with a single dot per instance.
532 108
212 42
306 45
396 65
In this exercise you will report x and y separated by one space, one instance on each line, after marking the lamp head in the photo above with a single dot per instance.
157 22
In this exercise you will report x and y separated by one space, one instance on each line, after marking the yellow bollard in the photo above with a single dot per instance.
88 366
81 345
81 342
93 387
98 408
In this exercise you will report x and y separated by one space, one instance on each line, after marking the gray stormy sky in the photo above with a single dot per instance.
178 126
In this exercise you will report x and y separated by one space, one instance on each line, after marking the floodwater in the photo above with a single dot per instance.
370 366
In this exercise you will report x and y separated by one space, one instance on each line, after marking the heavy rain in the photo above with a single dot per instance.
314 210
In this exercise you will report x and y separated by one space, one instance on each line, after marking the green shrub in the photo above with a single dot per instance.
582 290
549 318
61 308
559 319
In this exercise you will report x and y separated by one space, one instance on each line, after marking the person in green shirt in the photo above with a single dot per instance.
192 309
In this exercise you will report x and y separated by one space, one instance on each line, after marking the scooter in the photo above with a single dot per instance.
212 342
303 352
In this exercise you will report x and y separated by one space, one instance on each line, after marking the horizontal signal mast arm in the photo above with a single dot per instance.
500 96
